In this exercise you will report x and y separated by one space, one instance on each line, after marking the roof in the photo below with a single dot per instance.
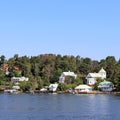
94 75
69 73
102 70
19 78
53 85
16 87
82 87
106 82
43 89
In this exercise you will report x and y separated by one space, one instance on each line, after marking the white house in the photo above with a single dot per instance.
43 90
102 72
64 74
83 88
19 79
16 87
106 86
91 77
53 87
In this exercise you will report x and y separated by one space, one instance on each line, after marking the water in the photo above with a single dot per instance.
59 107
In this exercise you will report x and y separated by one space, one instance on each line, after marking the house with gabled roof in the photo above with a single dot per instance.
92 77
83 88
106 86
63 76
53 87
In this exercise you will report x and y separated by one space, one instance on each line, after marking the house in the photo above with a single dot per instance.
106 86
53 87
83 88
19 79
16 87
43 90
62 78
92 77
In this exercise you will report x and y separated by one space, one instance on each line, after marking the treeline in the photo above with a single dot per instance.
47 68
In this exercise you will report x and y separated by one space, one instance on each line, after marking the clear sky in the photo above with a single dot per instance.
89 28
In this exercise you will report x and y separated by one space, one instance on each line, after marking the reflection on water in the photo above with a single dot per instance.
59 107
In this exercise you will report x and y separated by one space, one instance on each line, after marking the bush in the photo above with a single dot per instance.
62 87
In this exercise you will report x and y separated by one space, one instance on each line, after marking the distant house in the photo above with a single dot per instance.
43 90
91 77
53 87
62 78
19 79
106 86
16 87
83 88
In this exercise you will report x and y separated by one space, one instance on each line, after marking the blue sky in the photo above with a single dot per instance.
89 28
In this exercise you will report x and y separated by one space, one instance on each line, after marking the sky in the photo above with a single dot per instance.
88 28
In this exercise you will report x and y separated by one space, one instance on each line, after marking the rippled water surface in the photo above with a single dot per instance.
59 107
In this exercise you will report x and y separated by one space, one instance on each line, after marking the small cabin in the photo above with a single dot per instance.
83 88
53 87
106 86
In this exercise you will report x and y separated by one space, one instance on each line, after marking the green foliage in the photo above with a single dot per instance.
56 76
46 82
97 84
47 68
17 73
2 82
62 87
117 77
78 81
2 59
25 86
40 83
110 67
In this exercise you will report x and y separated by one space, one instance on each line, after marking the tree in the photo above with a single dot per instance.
40 82
2 59
117 81
85 66
25 86
56 75
62 87
103 63
94 66
16 56
97 83
117 76
110 67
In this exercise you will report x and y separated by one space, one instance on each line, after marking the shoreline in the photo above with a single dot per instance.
66 92
63 92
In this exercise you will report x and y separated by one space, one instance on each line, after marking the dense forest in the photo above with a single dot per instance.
47 68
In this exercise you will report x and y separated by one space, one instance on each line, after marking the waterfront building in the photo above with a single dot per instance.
19 79
92 77
106 86
63 79
83 88
53 87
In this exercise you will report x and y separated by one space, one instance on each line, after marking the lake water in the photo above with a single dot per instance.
59 107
